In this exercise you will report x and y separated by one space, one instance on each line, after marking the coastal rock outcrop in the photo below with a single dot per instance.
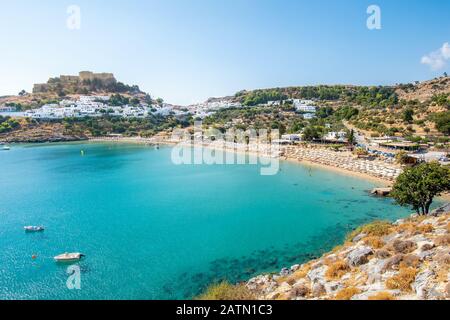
359 256
409 259
38 133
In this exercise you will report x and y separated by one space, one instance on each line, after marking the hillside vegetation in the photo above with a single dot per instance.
419 112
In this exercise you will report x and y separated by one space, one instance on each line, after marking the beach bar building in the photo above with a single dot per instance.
404 145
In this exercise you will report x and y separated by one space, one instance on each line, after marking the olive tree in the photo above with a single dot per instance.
417 186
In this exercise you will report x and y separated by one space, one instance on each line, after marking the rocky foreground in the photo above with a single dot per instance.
409 259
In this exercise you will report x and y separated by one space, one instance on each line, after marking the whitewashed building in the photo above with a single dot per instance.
309 116
291 137
336 136
7 109
304 105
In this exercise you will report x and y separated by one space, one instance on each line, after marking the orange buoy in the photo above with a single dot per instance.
34 257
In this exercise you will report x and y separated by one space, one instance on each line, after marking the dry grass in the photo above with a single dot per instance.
377 228
425 228
347 293
419 219
226 291
408 228
356 278
374 241
382 296
282 297
403 279
336 270
442 275
302 272
297 275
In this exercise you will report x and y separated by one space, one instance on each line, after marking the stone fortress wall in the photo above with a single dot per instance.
105 78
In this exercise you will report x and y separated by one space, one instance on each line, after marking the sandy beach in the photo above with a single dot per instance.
381 182
285 155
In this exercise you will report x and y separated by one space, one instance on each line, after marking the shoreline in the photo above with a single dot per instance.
381 182
305 162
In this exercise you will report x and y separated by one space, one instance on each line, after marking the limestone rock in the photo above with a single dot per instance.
426 255
294 268
359 237
331 287
447 290
426 246
359 256
374 269
421 285
392 263
318 289
317 274
285 272
382 254
299 290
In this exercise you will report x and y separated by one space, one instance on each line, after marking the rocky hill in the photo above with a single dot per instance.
409 259
418 109
423 91
84 83
72 87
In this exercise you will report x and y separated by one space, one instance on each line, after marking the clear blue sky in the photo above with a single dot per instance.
188 50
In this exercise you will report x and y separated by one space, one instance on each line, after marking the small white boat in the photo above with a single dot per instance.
34 228
5 148
69 257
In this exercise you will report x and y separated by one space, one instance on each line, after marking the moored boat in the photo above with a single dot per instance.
5 148
33 228
69 257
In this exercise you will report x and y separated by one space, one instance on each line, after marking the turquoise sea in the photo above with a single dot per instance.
154 230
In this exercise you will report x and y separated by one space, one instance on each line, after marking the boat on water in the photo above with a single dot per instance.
5 148
33 228
69 257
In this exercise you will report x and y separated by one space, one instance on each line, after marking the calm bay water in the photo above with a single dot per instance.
153 230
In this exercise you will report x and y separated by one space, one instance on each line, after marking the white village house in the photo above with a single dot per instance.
7 109
304 106
86 106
